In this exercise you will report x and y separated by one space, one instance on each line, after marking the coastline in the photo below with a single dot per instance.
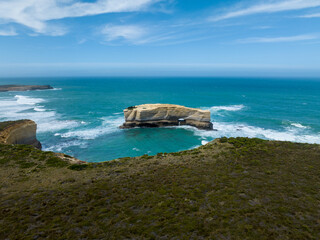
69 123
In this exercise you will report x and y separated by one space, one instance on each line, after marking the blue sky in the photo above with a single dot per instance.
159 37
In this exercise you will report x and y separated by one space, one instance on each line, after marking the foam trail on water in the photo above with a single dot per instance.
24 107
24 100
61 146
109 125
204 142
56 125
243 130
231 108
299 125
39 109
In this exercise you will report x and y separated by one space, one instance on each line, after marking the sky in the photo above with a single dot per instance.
159 38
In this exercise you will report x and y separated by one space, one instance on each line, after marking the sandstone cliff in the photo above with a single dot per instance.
158 115
19 132
6 88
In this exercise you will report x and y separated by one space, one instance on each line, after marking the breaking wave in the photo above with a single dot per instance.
109 125
61 146
298 125
24 100
231 108
243 130
24 107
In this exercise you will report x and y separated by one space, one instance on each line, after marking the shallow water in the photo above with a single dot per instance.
81 116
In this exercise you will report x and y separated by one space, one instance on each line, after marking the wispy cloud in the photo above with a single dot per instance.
279 39
313 15
8 32
130 33
270 7
35 14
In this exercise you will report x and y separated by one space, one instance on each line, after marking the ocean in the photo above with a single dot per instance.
81 116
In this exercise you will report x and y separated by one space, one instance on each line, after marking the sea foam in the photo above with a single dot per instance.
61 146
243 130
25 107
109 125
24 100
231 108
299 125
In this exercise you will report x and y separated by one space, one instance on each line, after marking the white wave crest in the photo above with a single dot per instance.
47 125
242 130
24 100
109 125
231 108
298 125
61 146
24 107
39 109
204 142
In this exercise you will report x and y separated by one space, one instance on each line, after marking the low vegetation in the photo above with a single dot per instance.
131 107
4 125
235 188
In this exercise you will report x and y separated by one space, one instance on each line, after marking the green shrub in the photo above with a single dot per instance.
77 167
223 139
56 162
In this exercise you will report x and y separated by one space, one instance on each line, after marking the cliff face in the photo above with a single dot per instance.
19 132
158 115
6 88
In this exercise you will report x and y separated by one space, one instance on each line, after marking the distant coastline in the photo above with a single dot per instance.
21 88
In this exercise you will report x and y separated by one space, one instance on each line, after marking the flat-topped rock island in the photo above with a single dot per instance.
20 88
160 115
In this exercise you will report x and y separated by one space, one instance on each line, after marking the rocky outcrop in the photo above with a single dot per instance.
69 159
7 88
159 115
19 132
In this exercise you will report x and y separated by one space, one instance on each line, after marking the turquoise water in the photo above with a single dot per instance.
81 116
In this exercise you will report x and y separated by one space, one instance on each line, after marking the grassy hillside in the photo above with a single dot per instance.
228 189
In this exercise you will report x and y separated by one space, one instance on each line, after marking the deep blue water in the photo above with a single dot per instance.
81 116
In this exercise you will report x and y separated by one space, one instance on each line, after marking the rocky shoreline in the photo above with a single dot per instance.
24 132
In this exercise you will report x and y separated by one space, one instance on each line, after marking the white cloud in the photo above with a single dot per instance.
270 7
279 39
128 32
8 32
35 14
314 15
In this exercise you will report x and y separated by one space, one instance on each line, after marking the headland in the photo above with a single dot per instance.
20 88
